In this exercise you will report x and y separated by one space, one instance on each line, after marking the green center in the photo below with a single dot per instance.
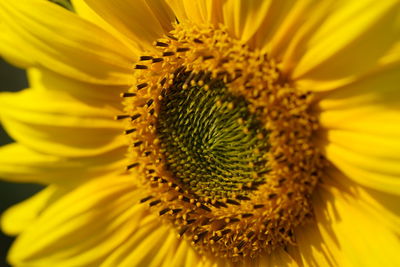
212 144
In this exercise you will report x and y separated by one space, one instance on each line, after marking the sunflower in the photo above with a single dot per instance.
204 133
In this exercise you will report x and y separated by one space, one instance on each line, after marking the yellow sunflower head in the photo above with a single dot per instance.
204 133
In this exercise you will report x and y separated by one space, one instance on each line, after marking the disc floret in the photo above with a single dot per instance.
222 141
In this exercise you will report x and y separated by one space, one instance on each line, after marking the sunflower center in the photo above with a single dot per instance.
211 142
221 141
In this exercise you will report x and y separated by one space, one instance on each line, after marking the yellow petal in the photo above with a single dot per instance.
82 227
361 129
179 258
349 42
346 234
380 205
145 246
315 251
279 257
162 12
383 206
63 141
244 18
392 56
202 11
22 164
77 49
378 90
57 108
57 134
141 21
367 145
17 218
92 95
167 251
373 172
281 21
10 49
290 27
86 12
154 243
62 116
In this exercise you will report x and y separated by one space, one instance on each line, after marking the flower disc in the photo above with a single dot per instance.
221 141
209 138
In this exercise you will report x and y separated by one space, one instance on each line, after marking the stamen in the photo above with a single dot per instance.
144 58
128 94
136 116
132 166
159 59
145 199
161 44
182 49
168 54
164 211
154 203
141 86
141 67
121 117
149 102
129 131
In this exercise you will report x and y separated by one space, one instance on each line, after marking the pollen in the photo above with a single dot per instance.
221 140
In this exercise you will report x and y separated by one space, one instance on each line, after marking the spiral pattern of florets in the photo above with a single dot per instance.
221 143
209 138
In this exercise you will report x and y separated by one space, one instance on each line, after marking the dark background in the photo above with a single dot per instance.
11 79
